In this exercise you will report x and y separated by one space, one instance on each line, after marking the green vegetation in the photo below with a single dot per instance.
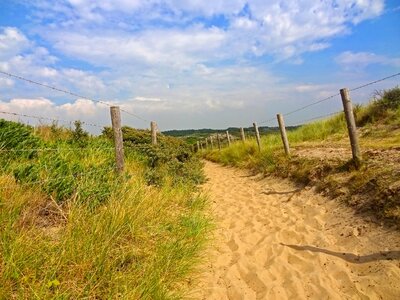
374 187
191 136
72 229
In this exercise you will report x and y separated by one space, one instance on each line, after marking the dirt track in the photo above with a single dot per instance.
276 241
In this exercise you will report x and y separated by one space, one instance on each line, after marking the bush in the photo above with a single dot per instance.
171 160
380 108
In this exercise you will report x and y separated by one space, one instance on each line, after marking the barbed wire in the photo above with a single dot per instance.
373 82
65 91
48 119
303 122
267 121
332 96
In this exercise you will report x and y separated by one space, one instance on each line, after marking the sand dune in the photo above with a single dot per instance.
275 241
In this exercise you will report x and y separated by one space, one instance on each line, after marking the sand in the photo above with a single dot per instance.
274 240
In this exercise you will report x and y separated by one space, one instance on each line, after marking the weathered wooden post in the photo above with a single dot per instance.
228 138
153 127
257 135
242 136
212 142
206 143
283 133
198 146
118 140
219 141
201 145
351 126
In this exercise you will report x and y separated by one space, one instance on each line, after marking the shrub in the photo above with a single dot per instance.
170 160
380 107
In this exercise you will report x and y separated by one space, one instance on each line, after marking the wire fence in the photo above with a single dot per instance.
329 98
324 116
49 119
69 93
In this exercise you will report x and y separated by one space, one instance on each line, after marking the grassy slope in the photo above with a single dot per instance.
72 238
374 188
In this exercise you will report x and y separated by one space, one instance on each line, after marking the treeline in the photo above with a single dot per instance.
192 135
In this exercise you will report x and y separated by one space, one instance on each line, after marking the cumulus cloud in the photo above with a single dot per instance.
154 47
12 41
186 58
283 29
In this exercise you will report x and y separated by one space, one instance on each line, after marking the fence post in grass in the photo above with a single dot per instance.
212 142
228 138
219 141
257 136
242 136
351 126
282 128
153 127
198 146
118 141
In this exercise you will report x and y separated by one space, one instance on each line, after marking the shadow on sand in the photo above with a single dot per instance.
350 257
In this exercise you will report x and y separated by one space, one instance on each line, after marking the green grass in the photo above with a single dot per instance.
380 128
247 154
99 235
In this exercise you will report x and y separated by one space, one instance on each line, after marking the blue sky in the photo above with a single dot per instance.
194 64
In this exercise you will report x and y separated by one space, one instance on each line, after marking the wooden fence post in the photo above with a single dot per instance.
153 127
201 145
257 136
118 140
212 142
351 126
283 133
219 141
198 146
228 138
243 137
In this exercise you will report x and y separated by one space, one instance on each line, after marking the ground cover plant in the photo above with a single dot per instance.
70 228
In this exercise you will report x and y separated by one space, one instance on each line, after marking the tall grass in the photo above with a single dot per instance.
247 154
77 241
384 109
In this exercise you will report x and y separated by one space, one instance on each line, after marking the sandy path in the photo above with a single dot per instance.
274 241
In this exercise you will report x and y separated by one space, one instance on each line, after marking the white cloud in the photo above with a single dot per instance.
360 60
284 29
45 109
173 47
12 41
172 60
6 82
146 99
